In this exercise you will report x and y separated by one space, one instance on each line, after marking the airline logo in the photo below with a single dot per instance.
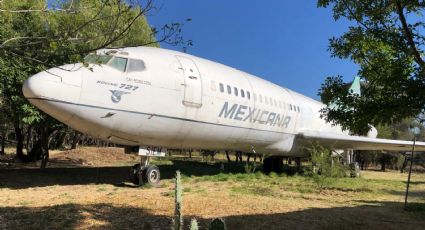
116 95
246 113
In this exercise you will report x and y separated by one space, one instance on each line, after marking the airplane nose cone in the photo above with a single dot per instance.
53 93
35 86
26 90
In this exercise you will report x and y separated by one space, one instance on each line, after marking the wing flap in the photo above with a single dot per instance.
339 141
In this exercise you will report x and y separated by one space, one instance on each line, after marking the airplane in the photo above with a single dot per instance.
154 99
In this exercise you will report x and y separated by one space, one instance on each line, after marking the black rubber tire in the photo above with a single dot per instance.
268 165
278 164
152 175
134 174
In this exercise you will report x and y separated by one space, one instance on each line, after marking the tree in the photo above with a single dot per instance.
386 41
38 34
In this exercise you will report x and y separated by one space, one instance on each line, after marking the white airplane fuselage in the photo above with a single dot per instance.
177 101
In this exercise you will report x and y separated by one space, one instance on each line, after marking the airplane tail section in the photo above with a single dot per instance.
355 87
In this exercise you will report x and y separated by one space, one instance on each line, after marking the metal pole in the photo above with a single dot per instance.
410 173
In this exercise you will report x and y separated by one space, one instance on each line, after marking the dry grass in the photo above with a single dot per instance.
84 189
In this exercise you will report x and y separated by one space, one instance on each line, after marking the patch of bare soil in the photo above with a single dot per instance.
83 189
81 157
92 156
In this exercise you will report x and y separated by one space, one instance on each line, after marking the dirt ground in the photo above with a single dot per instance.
87 189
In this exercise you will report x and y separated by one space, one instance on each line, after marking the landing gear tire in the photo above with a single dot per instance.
152 175
273 164
134 174
278 164
149 174
268 165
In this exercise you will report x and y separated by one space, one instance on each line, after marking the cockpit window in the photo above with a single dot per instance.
118 63
135 65
97 59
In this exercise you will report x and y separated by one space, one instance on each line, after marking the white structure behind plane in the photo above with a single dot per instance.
158 97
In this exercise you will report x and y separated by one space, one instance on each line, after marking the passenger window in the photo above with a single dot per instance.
242 93
266 99
236 91
229 89
118 63
275 103
221 87
135 65
255 96
298 108
290 106
248 95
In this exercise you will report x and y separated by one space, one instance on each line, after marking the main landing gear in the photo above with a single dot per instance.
144 173
273 164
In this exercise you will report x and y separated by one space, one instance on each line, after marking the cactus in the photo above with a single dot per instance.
178 217
217 224
194 224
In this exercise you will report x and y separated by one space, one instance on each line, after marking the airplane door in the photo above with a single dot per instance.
192 83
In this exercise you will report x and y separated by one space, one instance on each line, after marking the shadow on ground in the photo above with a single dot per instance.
116 175
386 215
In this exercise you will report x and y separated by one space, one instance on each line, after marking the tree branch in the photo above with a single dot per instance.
350 11
44 10
19 38
408 33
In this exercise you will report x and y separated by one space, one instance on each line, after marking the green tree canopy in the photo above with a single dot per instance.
39 34
386 40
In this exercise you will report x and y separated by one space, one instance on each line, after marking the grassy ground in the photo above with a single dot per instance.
79 193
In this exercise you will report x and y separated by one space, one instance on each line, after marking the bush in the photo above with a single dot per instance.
250 167
324 164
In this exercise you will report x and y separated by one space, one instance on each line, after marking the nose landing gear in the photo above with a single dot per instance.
144 173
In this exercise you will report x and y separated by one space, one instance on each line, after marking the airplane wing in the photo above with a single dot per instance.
339 141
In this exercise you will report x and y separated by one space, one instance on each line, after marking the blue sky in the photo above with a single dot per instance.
283 41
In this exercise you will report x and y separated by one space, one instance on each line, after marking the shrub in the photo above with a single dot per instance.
250 167
194 224
324 164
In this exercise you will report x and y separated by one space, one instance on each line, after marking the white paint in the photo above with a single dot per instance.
176 102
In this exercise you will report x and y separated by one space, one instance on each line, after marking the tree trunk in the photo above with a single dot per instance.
44 139
75 139
58 139
29 138
227 156
20 144
404 164
3 141
383 166
298 163
239 156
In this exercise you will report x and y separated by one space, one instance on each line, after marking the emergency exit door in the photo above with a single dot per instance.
192 83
